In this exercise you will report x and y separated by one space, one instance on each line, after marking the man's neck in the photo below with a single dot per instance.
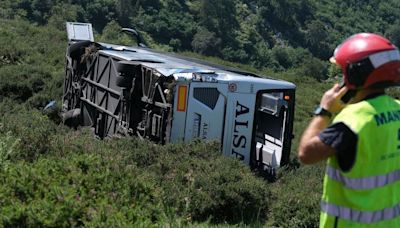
365 93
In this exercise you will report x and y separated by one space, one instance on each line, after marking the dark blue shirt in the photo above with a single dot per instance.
341 138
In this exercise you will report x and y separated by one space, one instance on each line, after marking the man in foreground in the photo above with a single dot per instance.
360 139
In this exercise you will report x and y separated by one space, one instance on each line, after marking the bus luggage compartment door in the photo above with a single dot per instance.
206 109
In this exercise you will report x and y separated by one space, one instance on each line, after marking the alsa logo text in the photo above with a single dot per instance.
240 140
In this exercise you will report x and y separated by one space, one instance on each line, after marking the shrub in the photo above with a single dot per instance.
77 190
20 82
202 184
8 145
191 182
197 183
296 198
34 131
315 68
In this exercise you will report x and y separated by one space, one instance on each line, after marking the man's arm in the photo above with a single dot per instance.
311 148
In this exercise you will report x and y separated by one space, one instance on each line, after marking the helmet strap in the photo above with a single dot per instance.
358 72
348 95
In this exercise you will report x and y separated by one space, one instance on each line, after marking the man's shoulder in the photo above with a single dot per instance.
355 116
353 110
363 113
371 106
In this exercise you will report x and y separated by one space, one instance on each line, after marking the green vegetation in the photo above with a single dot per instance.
54 176
274 34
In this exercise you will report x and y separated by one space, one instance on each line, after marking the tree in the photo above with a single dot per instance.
393 33
218 16
317 39
61 13
206 42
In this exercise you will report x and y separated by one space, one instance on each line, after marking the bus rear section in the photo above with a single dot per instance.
273 128
259 122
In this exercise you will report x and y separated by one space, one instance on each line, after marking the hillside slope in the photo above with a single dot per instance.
54 176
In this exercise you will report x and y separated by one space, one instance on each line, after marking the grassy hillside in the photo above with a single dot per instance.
54 176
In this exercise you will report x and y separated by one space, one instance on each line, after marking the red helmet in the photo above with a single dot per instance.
368 60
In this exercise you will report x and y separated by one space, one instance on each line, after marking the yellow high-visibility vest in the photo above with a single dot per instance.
368 195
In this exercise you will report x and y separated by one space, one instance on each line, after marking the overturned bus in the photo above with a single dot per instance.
166 98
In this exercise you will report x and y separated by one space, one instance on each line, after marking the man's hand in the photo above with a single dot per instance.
331 100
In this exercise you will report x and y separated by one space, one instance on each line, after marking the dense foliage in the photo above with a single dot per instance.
274 34
54 176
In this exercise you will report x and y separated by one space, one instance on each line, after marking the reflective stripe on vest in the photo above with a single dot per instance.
360 216
363 183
